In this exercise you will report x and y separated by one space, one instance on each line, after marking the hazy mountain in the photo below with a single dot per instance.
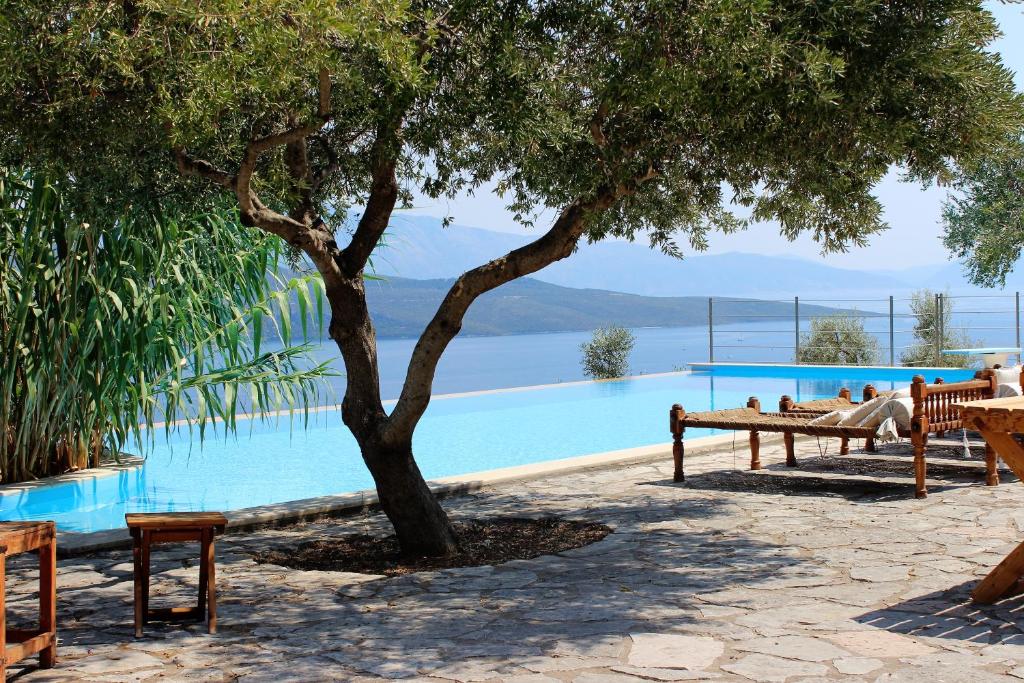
402 307
418 247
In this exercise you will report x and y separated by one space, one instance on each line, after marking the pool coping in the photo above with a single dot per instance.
123 463
72 543
818 366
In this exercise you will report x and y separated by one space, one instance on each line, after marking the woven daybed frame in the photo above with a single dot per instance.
933 414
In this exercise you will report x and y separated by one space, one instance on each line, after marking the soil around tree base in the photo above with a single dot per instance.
481 542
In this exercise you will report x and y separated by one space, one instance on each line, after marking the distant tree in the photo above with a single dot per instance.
933 329
984 216
606 355
634 119
838 340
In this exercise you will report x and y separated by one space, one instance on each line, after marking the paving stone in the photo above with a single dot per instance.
117 661
793 647
670 651
880 573
857 665
768 669
879 644
666 674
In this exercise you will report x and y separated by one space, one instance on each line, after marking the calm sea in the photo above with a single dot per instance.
477 363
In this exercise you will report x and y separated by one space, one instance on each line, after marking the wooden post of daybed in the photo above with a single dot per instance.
675 420
755 437
844 442
785 403
939 380
919 433
869 393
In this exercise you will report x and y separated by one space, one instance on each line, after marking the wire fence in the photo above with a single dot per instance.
756 330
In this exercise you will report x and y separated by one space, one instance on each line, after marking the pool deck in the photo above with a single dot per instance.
831 572
72 543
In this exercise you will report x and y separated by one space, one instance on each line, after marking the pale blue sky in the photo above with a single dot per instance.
914 213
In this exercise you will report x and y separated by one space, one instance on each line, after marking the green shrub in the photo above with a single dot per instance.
931 327
606 355
838 340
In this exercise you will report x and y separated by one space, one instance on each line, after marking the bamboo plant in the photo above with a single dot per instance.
113 333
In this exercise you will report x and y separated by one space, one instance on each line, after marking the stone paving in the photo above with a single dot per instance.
782 575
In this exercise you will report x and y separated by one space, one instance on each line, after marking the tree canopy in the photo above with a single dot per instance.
641 119
984 216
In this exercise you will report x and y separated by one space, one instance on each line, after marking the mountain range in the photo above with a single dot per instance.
419 247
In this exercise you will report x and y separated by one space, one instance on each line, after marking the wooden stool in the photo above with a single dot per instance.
16 644
168 527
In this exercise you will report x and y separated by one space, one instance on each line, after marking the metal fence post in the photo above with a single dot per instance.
711 330
892 334
1016 309
796 330
938 330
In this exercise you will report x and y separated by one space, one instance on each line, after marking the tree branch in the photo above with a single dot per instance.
381 202
556 244
189 166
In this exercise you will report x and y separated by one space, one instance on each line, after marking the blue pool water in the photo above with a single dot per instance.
280 461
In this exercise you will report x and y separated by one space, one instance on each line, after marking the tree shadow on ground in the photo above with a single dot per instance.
643 578
949 614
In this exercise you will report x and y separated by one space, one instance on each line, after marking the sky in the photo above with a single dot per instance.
913 212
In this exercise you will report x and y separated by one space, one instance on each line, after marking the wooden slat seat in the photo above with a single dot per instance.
171 520
167 527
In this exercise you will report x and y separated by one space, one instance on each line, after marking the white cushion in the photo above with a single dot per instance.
1008 376
901 410
830 419
859 413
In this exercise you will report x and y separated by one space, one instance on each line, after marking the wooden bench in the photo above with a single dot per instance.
17 644
171 527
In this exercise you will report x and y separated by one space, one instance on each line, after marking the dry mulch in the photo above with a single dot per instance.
481 542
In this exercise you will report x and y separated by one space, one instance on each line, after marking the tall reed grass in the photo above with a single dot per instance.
108 329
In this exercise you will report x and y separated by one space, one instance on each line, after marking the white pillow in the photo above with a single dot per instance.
899 409
1008 376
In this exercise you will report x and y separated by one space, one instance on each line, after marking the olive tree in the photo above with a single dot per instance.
619 117
934 331
838 340
984 216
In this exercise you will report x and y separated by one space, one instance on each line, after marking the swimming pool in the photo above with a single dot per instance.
460 434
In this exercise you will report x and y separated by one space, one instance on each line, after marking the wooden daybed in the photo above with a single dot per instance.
933 413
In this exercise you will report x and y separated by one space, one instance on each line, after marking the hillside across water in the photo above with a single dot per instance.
401 307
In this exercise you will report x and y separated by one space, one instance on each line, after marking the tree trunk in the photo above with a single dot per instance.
421 524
